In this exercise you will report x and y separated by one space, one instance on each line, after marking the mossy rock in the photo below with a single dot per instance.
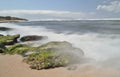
2 48
20 49
45 60
53 54
9 39
16 49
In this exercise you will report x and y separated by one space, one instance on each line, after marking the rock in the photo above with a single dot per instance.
5 29
54 54
9 39
63 47
15 38
31 38
5 19
1 35
2 48
18 49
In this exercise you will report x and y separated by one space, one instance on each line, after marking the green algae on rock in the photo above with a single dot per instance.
9 39
53 54
3 49
45 60
50 55
17 49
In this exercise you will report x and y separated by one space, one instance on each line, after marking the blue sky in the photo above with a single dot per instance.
70 5
61 9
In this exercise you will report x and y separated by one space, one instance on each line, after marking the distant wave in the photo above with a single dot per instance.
107 19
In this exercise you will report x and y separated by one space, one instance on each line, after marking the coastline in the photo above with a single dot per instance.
6 21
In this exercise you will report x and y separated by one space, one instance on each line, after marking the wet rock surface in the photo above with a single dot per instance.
5 29
31 38
9 39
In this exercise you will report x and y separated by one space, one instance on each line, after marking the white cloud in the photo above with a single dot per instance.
47 14
32 12
114 6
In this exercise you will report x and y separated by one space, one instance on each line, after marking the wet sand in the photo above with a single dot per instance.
12 66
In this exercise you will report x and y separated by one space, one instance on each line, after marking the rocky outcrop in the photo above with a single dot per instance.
54 54
9 40
1 35
50 55
2 48
5 29
31 38
4 19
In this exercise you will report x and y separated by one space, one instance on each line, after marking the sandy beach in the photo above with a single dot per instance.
12 66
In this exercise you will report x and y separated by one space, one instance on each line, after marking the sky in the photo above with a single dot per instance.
61 9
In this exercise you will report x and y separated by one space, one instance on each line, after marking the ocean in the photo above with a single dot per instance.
99 39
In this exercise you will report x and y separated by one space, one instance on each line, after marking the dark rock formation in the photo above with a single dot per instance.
2 48
5 29
9 40
1 35
4 19
31 38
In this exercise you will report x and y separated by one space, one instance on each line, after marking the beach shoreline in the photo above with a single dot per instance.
12 66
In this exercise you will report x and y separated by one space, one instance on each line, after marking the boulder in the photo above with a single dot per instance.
54 54
31 38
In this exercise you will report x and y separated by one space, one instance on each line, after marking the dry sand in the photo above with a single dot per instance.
12 66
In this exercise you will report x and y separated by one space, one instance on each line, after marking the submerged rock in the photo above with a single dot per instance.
31 38
5 29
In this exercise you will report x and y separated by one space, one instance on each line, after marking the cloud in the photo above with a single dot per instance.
32 12
113 6
47 14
